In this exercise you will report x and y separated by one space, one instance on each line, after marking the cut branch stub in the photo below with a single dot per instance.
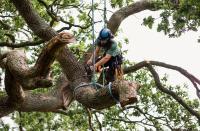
127 92
50 51
101 98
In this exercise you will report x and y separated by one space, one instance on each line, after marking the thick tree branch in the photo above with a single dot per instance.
50 52
22 44
116 19
2 60
45 32
59 98
16 61
188 75
34 21
32 102
14 90
23 77
88 95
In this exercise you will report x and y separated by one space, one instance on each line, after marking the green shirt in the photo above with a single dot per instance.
113 50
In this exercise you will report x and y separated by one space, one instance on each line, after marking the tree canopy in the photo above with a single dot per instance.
39 89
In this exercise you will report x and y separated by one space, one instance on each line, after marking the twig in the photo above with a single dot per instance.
192 78
61 112
20 122
142 64
135 122
171 93
99 123
90 118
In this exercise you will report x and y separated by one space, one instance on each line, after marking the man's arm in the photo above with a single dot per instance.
103 60
96 53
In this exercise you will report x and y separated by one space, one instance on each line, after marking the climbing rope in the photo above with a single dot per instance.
111 94
97 85
93 42
109 86
105 11
105 25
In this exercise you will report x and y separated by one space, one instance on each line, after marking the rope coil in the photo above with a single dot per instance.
109 86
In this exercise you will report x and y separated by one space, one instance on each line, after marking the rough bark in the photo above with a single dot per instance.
34 21
59 98
14 90
31 78
101 98
50 52
19 77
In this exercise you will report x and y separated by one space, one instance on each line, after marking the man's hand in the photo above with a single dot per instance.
95 67
103 60
89 62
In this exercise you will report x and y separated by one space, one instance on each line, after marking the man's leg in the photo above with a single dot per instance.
119 72
110 75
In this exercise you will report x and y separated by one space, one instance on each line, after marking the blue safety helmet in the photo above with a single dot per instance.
105 34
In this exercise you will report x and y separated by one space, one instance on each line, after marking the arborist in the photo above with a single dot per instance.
112 57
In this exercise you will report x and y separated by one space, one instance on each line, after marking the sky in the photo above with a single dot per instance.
148 44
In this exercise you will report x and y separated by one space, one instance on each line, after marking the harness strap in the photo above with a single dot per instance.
111 94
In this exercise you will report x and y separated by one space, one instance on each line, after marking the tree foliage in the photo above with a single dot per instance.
155 110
